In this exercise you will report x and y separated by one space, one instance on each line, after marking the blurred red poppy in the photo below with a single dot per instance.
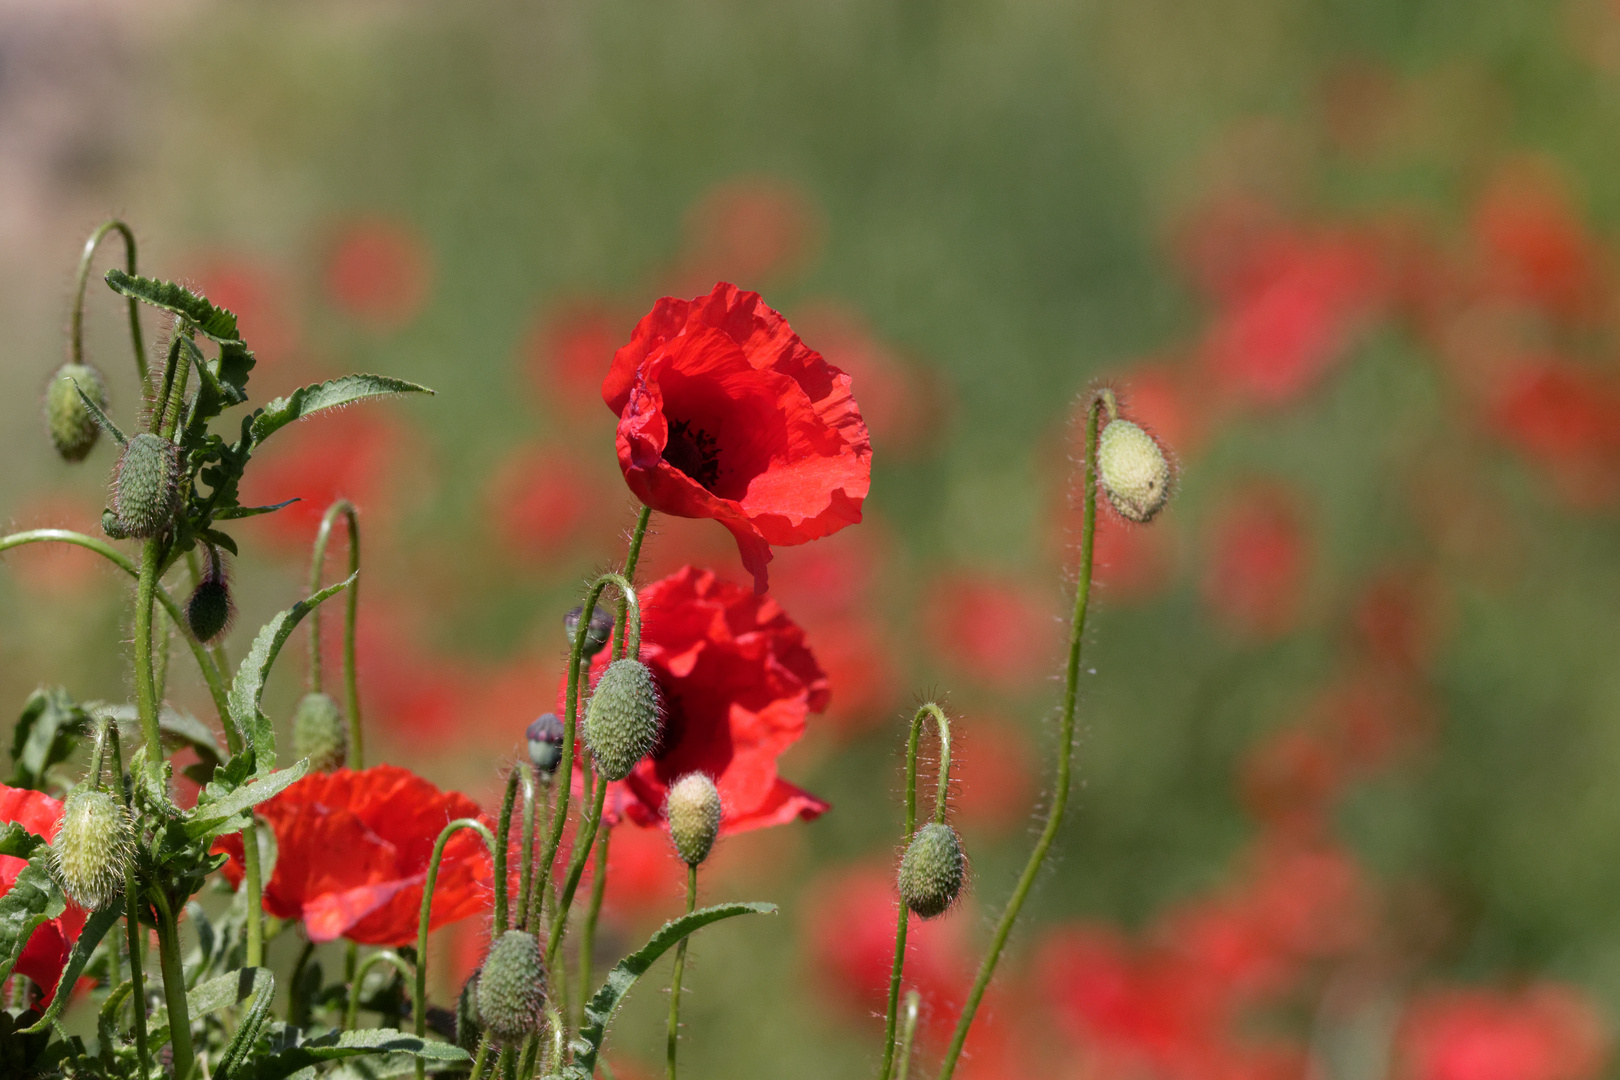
356 455
1536 248
724 413
46 953
747 229
569 348
353 850
1566 419
1258 561
1543 1032
993 630
379 272
737 683
539 499
261 299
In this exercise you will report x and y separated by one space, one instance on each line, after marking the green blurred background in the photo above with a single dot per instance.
1353 261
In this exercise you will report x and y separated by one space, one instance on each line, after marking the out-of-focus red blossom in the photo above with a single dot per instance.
900 403
737 682
1536 248
352 852
1166 399
1292 778
1375 718
724 413
1543 1032
851 922
1566 420
540 499
46 953
993 774
416 694
259 296
358 455
1259 558
747 229
1400 618
856 655
379 272
992 630
1129 561
58 571
1312 899
569 348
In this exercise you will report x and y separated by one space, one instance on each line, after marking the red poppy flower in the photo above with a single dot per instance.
353 851
1565 419
992 629
380 273
737 682
1546 1032
47 950
724 413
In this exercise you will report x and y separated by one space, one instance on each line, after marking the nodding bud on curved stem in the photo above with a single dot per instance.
545 738
209 611
932 870
93 846
596 634
622 718
320 732
1134 472
72 428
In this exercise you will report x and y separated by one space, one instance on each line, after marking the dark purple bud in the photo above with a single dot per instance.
545 743
601 628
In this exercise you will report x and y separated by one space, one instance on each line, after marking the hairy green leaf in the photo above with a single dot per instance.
212 322
232 988
18 842
98 416
248 686
211 813
345 1044
332 394
231 512
95 928
46 732
600 1009
34 897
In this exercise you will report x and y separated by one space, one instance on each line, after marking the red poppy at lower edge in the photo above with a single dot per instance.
353 851
46 952
737 683
724 413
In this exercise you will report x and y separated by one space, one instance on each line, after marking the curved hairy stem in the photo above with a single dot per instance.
76 334
632 556
675 980
351 1013
940 795
419 994
1102 400
351 608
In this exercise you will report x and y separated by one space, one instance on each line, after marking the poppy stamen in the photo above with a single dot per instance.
694 452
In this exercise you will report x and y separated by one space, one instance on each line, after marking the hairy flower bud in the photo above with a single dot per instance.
545 737
621 721
1135 473
511 989
111 526
468 1029
209 611
73 430
146 493
319 732
693 809
596 635
932 870
92 848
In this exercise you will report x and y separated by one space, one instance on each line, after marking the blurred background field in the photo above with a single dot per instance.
1351 722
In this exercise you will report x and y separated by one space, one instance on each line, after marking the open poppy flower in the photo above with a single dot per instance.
47 950
724 413
737 683
353 850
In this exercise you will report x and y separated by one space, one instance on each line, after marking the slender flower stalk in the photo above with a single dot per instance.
351 607
132 922
526 880
675 979
908 1032
940 796
503 834
419 994
351 1014
1102 401
76 333
174 986
587 935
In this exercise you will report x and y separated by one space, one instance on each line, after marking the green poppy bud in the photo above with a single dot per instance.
932 870
146 493
110 525
92 848
468 1029
1135 473
319 732
545 737
596 635
621 721
693 809
73 430
511 988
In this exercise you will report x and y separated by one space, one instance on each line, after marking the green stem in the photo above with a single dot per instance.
576 867
137 974
587 935
351 688
478 1062
254 881
908 1033
297 1007
933 710
145 682
419 994
1060 795
631 557
77 332
162 637
174 988
351 1014
680 969
538 895
531 807
503 832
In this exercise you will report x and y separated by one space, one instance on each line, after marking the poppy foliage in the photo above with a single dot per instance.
724 413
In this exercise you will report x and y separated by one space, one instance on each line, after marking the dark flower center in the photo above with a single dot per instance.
693 451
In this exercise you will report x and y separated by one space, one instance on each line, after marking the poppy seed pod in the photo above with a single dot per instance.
511 989
319 732
146 493
92 848
468 1029
1135 473
621 721
932 870
73 430
596 635
545 737
693 809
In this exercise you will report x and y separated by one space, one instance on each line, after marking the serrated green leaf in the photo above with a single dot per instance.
210 813
212 322
18 842
248 686
34 898
232 512
95 928
332 394
346 1044
98 416
232 988
46 732
600 1009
